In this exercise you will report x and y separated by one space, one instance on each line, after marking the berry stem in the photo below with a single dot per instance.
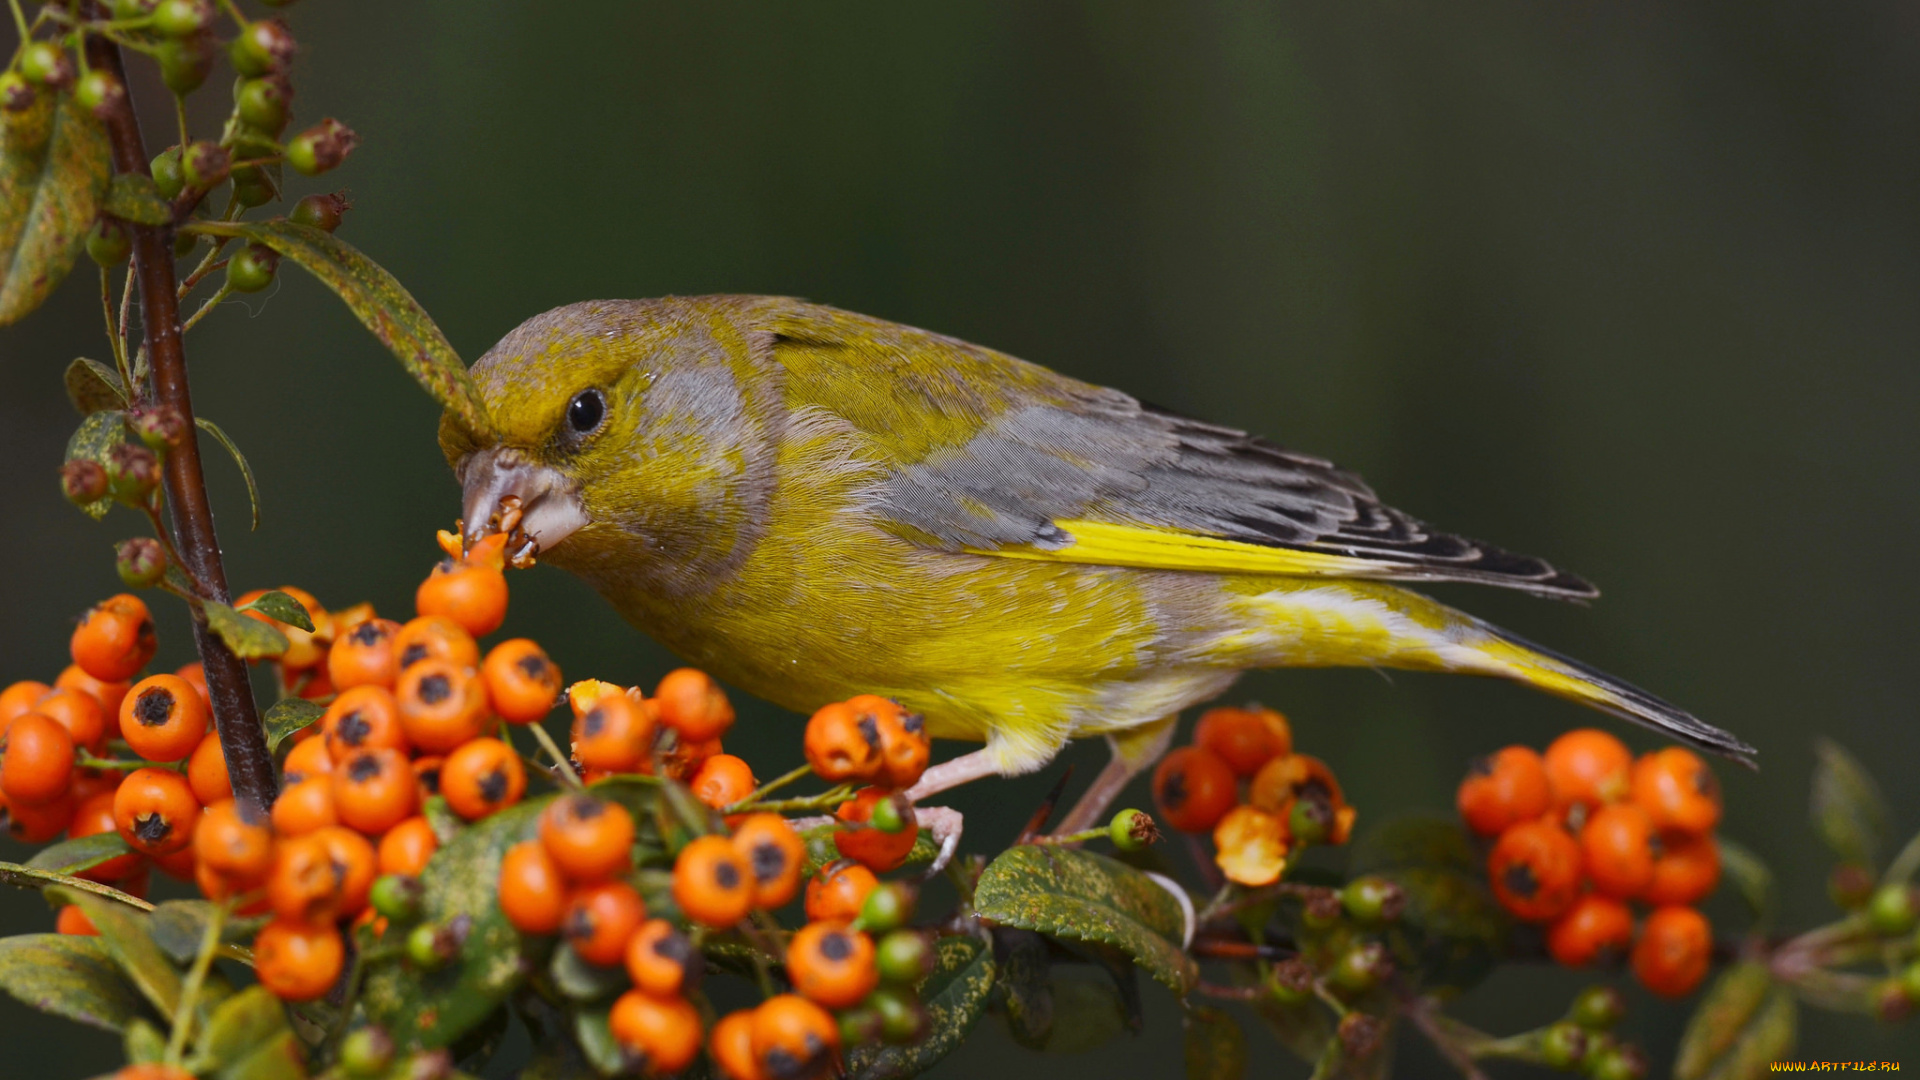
1071 838
86 760
827 800
769 787
190 990
242 739
560 760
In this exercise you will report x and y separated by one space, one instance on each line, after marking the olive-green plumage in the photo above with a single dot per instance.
810 504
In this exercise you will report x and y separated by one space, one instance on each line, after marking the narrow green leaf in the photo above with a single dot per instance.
73 856
380 302
280 1058
68 976
1752 878
144 1042
250 639
49 196
1216 1047
1744 1022
239 1027
135 197
581 981
94 387
179 926
1849 812
98 434
124 930
275 604
1082 896
597 1044
286 716
954 996
30 877
246 474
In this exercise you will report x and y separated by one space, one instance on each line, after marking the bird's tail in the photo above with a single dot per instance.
1362 623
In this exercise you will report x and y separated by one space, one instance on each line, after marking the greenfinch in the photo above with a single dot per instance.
810 504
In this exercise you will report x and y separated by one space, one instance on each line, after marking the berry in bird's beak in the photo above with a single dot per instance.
504 492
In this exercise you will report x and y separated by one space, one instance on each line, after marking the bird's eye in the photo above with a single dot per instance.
586 410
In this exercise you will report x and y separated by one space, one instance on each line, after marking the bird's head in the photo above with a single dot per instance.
637 437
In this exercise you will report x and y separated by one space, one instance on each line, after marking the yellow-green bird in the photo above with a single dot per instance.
810 504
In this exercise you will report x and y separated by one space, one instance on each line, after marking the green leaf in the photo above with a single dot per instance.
277 605
426 1010
239 1027
1216 1047
954 995
179 926
286 716
124 931
135 197
1023 984
1848 811
380 302
1752 878
581 981
145 1043
94 387
1452 933
96 436
246 474
250 639
597 1044
68 976
1744 1022
1088 1011
74 856
1078 895
49 196
280 1058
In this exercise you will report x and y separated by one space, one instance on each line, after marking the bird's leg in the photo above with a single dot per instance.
951 774
1133 750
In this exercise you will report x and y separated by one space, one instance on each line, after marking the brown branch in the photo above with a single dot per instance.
242 738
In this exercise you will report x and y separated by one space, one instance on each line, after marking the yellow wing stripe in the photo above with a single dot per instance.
1102 543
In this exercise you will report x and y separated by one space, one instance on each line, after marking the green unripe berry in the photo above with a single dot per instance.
1910 977
1598 1008
1850 886
1291 981
888 907
205 164
140 562
860 1025
1622 1062
887 815
1310 821
184 243
83 481
263 47
133 472
902 1018
1373 899
321 147
17 95
1889 1000
167 173
262 103
160 427
251 186
323 212
1891 911
366 1052
252 269
1562 1045
904 957
430 947
99 93
132 9
1321 910
397 897
108 242
1132 830
185 62
45 64
1361 968
180 18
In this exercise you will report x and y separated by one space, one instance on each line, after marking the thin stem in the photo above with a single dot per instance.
1071 838
129 370
354 976
824 801
86 760
560 760
19 20
1904 864
769 787
1458 1056
233 12
190 990
114 342
213 301
180 114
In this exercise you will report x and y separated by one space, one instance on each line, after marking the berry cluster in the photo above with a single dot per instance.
1584 830
1288 800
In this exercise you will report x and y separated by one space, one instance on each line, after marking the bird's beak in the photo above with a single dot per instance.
504 492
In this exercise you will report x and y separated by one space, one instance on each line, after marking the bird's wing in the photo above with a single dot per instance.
993 455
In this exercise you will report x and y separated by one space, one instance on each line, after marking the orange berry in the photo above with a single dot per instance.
1594 926
712 883
305 806
36 760
1616 845
37 823
107 695
482 777
661 960
589 838
1535 870
195 675
1244 738
365 655
775 855
731 1047
600 919
1505 787
471 594
441 705
407 846
374 790
207 771
522 682
180 865
352 854
843 743
362 718
1282 781
432 637
297 961
615 732
308 759
683 758
90 782
1686 868
533 892
72 920
878 851
1250 846
153 1071
17 700
723 780
662 1032
905 746
1193 789
1671 956
79 712
1676 789
115 640
831 965
839 891
692 704
1587 767
231 841
793 1037
162 718
92 816
305 884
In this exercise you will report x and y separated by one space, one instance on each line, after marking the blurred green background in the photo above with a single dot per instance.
1630 286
